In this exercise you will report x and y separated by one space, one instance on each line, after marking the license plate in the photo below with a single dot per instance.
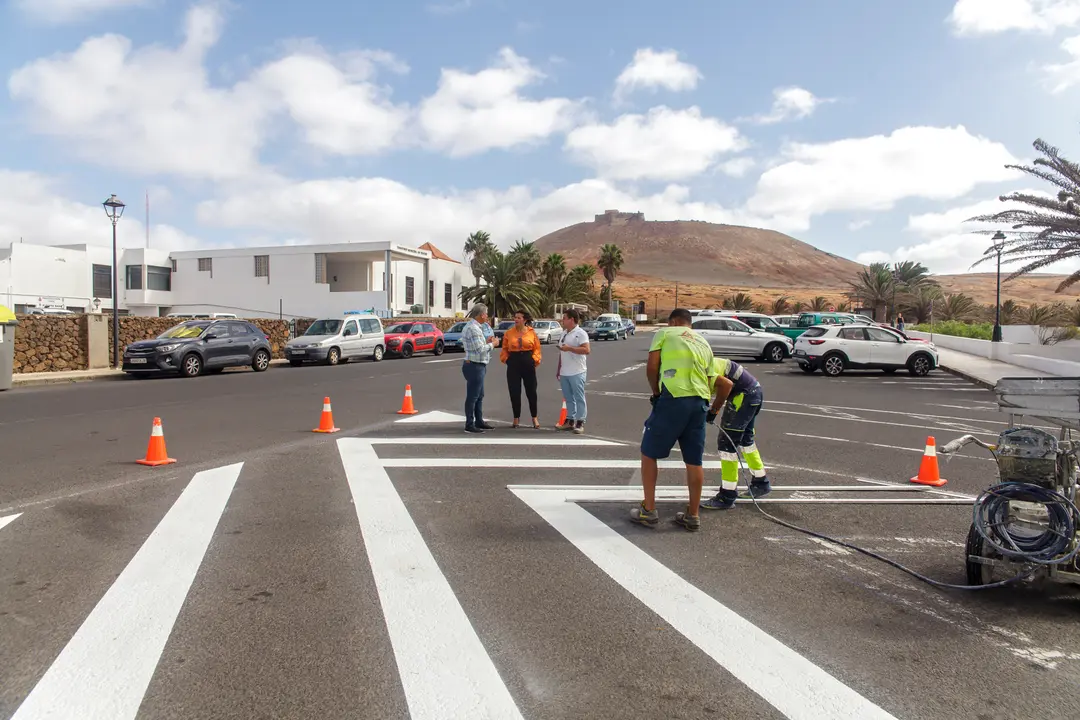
800 352
137 361
298 352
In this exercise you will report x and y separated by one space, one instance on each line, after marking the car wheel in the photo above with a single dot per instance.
808 369
888 371
438 347
191 366
296 363
378 354
261 361
333 357
775 353
833 365
406 351
920 365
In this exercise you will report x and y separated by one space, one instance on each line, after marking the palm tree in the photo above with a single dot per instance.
503 291
477 246
910 274
874 286
738 301
843 307
760 307
781 305
553 270
1072 314
956 306
1048 230
1043 315
610 262
585 273
819 304
1009 310
528 258
798 306
919 302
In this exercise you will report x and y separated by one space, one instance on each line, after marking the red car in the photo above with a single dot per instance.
407 338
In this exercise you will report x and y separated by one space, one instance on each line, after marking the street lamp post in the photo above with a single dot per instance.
999 245
114 209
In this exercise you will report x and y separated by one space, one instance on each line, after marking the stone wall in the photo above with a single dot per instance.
45 344
133 329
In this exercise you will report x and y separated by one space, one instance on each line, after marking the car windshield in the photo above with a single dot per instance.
590 324
805 321
184 330
324 327
609 324
456 327
400 328
506 325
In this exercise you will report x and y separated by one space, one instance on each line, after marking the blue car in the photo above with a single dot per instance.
629 326
452 338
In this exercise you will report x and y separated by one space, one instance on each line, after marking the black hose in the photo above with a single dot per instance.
1064 519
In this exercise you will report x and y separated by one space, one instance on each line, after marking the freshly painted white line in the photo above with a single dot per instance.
617 373
104 670
8 519
879 445
536 463
436 416
876 422
786 680
574 492
919 416
445 670
444 360
538 439
930 490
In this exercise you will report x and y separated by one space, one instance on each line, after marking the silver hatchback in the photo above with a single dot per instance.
548 331
728 336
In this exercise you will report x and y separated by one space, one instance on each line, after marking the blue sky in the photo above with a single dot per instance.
871 130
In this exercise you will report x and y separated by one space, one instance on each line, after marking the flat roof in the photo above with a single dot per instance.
401 251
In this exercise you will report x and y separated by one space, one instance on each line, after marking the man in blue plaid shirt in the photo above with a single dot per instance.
474 368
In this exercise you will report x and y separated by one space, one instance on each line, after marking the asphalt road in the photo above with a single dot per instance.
389 572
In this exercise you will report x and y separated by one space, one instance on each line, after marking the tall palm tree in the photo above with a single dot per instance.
1009 311
919 302
760 307
503 291
956 306
819 304
1047 230
1040 315
911 274
553 270
798 306
528 259
843 307
610 262
781 305
738 301
874 287
586 273
477 246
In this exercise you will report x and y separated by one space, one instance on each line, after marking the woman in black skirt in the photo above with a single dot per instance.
521 355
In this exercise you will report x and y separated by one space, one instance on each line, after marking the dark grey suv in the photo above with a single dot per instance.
199 346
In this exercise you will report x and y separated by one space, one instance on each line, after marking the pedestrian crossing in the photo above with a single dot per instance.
422 589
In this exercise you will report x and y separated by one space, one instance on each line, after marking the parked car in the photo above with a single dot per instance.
591 327
808 320
757 321
407 338
836 348
629 326
785 320
338 339
610 330
502 327
548 331
728 336
198 346
452 337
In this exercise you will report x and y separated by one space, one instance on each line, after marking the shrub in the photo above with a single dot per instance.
975 331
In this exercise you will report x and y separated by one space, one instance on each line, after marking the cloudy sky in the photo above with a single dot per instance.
869 129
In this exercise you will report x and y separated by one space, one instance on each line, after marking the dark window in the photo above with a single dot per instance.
262 266
240 330
464 303
410 294
431 294
852 334
879 335
428 328
102 281
158 278
814 332
371 325
350 329
134 277
206 265
173 265
448 296
754 322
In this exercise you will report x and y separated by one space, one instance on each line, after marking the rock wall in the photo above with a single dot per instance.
45 344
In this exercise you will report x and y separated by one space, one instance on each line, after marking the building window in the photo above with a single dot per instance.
464 303
173 264
262 266
448 296
320 268
431 294
410 294
206 265
134 277
102 281
158 278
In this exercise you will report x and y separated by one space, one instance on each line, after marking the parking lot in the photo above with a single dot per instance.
402 569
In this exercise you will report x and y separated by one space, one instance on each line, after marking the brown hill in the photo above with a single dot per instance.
698 253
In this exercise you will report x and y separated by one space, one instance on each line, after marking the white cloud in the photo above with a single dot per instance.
790 103
64 11
654 69
449 8
874 173
33 208
737 167
666 144
856 225
357 209
471 113
1061 77
988 17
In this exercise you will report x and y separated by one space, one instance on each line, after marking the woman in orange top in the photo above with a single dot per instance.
521 355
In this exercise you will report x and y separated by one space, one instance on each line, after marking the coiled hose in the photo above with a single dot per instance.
989 514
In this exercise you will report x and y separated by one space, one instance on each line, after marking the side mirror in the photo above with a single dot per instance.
210 336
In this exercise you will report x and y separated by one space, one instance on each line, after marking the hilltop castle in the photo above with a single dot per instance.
614 217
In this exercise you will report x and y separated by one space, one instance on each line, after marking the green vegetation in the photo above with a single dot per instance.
975 331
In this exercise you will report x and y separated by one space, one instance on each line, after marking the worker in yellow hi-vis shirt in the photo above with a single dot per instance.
682 374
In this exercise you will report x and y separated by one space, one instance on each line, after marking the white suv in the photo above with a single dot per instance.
836 348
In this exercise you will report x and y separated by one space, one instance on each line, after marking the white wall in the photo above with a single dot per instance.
35 271
1054 359
442 272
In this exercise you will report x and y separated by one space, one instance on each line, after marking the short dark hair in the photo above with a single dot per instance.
574 314
682 315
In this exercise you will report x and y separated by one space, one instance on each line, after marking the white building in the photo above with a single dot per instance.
289 280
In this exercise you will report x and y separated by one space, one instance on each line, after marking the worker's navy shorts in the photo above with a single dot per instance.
676 420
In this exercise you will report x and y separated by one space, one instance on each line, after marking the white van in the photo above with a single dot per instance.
609 317
333 340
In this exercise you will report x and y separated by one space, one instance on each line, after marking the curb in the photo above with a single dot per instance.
969 377
112 375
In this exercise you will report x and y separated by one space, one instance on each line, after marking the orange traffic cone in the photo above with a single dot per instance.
406 404
562 415
928 469
326 420
155 451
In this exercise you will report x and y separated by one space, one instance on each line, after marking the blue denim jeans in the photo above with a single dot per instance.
573 391
474 393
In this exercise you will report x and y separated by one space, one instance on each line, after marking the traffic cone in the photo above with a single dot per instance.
406 404
562 415
326 420
155 451
928 469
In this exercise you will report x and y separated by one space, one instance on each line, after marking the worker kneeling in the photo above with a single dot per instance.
682 373
744 395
